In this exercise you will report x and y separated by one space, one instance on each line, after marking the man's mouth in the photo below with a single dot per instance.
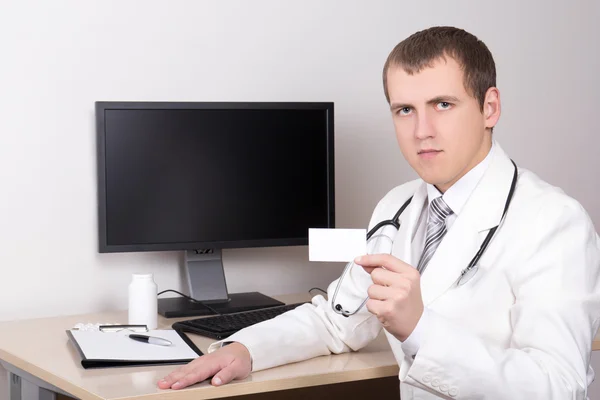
429 153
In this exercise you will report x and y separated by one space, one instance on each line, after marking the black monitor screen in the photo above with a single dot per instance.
183 178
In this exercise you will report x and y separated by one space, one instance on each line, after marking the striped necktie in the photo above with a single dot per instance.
436 229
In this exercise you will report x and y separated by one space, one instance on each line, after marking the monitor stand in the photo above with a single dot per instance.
206 279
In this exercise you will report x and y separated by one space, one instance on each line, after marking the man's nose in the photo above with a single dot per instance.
424 126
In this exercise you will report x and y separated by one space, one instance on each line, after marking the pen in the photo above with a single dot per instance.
150 340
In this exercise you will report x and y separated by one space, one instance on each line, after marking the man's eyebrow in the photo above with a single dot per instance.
443 99
398 106
435 100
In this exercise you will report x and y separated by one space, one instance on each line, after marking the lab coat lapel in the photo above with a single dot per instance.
481 212
409 221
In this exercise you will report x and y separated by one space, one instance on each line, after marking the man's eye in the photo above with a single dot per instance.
404 111
443 105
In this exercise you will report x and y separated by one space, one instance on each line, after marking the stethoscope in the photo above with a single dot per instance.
465 275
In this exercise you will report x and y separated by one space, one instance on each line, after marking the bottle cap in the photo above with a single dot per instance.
142 276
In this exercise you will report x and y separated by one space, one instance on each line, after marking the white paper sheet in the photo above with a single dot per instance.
118 346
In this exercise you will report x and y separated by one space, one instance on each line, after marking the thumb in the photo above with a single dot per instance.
226 375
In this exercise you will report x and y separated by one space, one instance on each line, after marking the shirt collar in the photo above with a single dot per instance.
458 194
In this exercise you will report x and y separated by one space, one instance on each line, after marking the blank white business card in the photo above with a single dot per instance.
341 245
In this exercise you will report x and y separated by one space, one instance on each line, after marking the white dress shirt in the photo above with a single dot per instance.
455 197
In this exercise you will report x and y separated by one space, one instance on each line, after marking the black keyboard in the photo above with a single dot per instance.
225 325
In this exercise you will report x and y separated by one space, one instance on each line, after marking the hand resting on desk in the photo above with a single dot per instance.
224 365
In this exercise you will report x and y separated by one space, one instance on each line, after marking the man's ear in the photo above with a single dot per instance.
491 107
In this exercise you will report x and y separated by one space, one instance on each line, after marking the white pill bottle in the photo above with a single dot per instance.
143 303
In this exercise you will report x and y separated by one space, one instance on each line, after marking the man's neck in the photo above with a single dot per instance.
457 195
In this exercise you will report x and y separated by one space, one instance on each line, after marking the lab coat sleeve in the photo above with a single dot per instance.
314 329
555 318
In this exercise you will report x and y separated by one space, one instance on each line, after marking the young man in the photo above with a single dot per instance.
518 323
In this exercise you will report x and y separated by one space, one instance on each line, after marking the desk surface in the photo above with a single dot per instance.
41 348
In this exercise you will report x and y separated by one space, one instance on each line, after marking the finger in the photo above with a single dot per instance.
377 292
227 374
369 270
190 379
383 260
384 277
173 377
198 374
164 384
375 307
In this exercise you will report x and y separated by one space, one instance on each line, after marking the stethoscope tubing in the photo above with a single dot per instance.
338 309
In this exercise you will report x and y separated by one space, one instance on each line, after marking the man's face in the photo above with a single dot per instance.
440 127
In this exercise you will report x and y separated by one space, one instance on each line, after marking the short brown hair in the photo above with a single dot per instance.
422 48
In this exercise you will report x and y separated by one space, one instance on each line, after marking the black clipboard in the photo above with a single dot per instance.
99 362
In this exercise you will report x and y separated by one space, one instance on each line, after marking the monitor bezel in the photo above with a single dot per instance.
102 106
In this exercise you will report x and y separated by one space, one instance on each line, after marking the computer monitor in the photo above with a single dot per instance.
205 176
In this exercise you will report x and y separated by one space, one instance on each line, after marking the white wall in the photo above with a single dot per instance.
59 57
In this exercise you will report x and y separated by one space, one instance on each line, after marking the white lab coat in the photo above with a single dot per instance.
520 328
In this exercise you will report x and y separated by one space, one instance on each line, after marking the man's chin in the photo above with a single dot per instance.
432 178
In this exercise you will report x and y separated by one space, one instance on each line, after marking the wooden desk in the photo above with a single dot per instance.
39 348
